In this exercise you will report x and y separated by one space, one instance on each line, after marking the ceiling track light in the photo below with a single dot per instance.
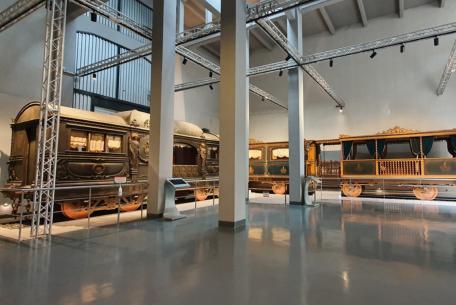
374 53
281 73
94 76
331 62
288 57
184 61
211 87
341 109
436 41
262 98
402 48
210 74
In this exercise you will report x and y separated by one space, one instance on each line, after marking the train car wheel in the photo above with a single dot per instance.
279 188
131 203
351 190
425 193
201 194
74 210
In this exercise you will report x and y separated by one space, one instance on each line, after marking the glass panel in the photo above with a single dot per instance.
280 154
97 142
114 144
78 141
213 152
185 154
255 154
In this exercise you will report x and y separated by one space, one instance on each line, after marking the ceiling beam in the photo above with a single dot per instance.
362 12
327 20
400 8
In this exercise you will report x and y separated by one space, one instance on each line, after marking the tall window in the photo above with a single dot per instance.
128 82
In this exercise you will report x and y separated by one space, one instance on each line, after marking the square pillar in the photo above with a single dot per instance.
233 115
161 104
296 114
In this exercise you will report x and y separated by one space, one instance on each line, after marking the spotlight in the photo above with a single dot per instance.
281 73
211 87
402 48
184 62
436 41
373 54
94 76
331 62
341 109
210 73
262 98
288 57
93 17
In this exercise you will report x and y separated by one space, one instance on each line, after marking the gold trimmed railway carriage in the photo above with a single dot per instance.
395 163
94 148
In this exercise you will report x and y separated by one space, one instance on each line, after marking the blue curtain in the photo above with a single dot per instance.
451 143
415 146
371 147
347 146
427 145
381 148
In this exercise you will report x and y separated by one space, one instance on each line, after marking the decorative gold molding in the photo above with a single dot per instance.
397 130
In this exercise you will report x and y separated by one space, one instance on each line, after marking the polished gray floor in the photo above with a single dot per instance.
354 253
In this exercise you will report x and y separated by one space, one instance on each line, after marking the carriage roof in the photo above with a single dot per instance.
135 118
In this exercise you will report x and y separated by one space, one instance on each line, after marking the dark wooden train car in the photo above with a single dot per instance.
94 148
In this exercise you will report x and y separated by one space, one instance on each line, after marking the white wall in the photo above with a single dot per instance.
393 89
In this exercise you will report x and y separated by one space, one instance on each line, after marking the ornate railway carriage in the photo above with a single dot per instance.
94 148
399 162
268 166
395 163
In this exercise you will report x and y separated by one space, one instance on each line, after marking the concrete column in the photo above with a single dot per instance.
162 103
247 110
233 114
296 115
180 15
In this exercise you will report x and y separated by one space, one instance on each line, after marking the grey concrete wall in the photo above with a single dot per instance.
393 89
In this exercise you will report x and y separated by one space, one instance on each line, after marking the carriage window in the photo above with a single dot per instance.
279 154
255 154
213 152
78 140
97 142
114 144
185 154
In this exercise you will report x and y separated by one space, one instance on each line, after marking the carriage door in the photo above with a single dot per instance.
30 151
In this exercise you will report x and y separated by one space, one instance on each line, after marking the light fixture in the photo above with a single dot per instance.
341 108
331 62
262 98
288 57
436 41
402 48
211 87
281 73
373 54
93 17
210 73
94 76
184 61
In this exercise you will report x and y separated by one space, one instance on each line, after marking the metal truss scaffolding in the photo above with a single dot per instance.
17 11
276 34
48 131
450 68
398 40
